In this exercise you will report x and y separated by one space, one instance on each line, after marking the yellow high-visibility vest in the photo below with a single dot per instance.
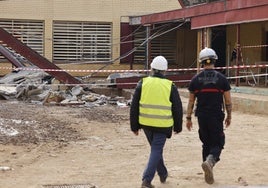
155 106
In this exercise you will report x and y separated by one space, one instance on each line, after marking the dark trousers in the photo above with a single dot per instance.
156 161
211 135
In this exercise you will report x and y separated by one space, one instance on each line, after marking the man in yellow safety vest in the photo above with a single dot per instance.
156 108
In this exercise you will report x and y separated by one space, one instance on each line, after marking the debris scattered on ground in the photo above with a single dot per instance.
27 123
38 87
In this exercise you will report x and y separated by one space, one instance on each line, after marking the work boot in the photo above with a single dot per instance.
146 184
207 167
163 179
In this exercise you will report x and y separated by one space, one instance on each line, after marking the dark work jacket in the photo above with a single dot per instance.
209 87
176 108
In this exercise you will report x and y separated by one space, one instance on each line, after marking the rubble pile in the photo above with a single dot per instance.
40 87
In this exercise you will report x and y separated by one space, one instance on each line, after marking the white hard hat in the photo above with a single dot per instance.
159 63
207 53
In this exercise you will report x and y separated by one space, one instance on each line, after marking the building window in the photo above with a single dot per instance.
161 44
29 32
81 41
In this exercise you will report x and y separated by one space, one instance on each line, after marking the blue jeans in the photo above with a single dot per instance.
156 163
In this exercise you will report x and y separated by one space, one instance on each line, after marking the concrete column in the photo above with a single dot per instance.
48 31
48 39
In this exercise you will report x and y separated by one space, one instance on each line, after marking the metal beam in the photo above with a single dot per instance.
7 54
36 58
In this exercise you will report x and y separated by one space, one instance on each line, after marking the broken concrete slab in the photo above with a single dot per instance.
7 92
31 86
26 76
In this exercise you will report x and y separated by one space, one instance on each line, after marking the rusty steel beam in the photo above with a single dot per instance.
36 58
9 56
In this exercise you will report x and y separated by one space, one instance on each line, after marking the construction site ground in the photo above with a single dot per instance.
64 146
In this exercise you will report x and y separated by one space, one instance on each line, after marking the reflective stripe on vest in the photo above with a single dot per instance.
155 106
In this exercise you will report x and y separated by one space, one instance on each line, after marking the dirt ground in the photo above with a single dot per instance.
47 146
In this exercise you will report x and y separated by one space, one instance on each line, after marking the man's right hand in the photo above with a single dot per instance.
227 122
189 125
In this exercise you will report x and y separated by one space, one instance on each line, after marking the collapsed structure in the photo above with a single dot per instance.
236 29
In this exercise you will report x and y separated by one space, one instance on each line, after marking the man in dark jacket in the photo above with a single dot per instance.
212 91
157 109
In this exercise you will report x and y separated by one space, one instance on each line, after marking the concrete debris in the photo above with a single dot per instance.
77 90
54 97
90 98
57 86
39 87
24 76
112 77
7 92
8 131
5 168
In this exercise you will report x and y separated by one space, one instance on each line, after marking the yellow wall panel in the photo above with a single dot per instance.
82 10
